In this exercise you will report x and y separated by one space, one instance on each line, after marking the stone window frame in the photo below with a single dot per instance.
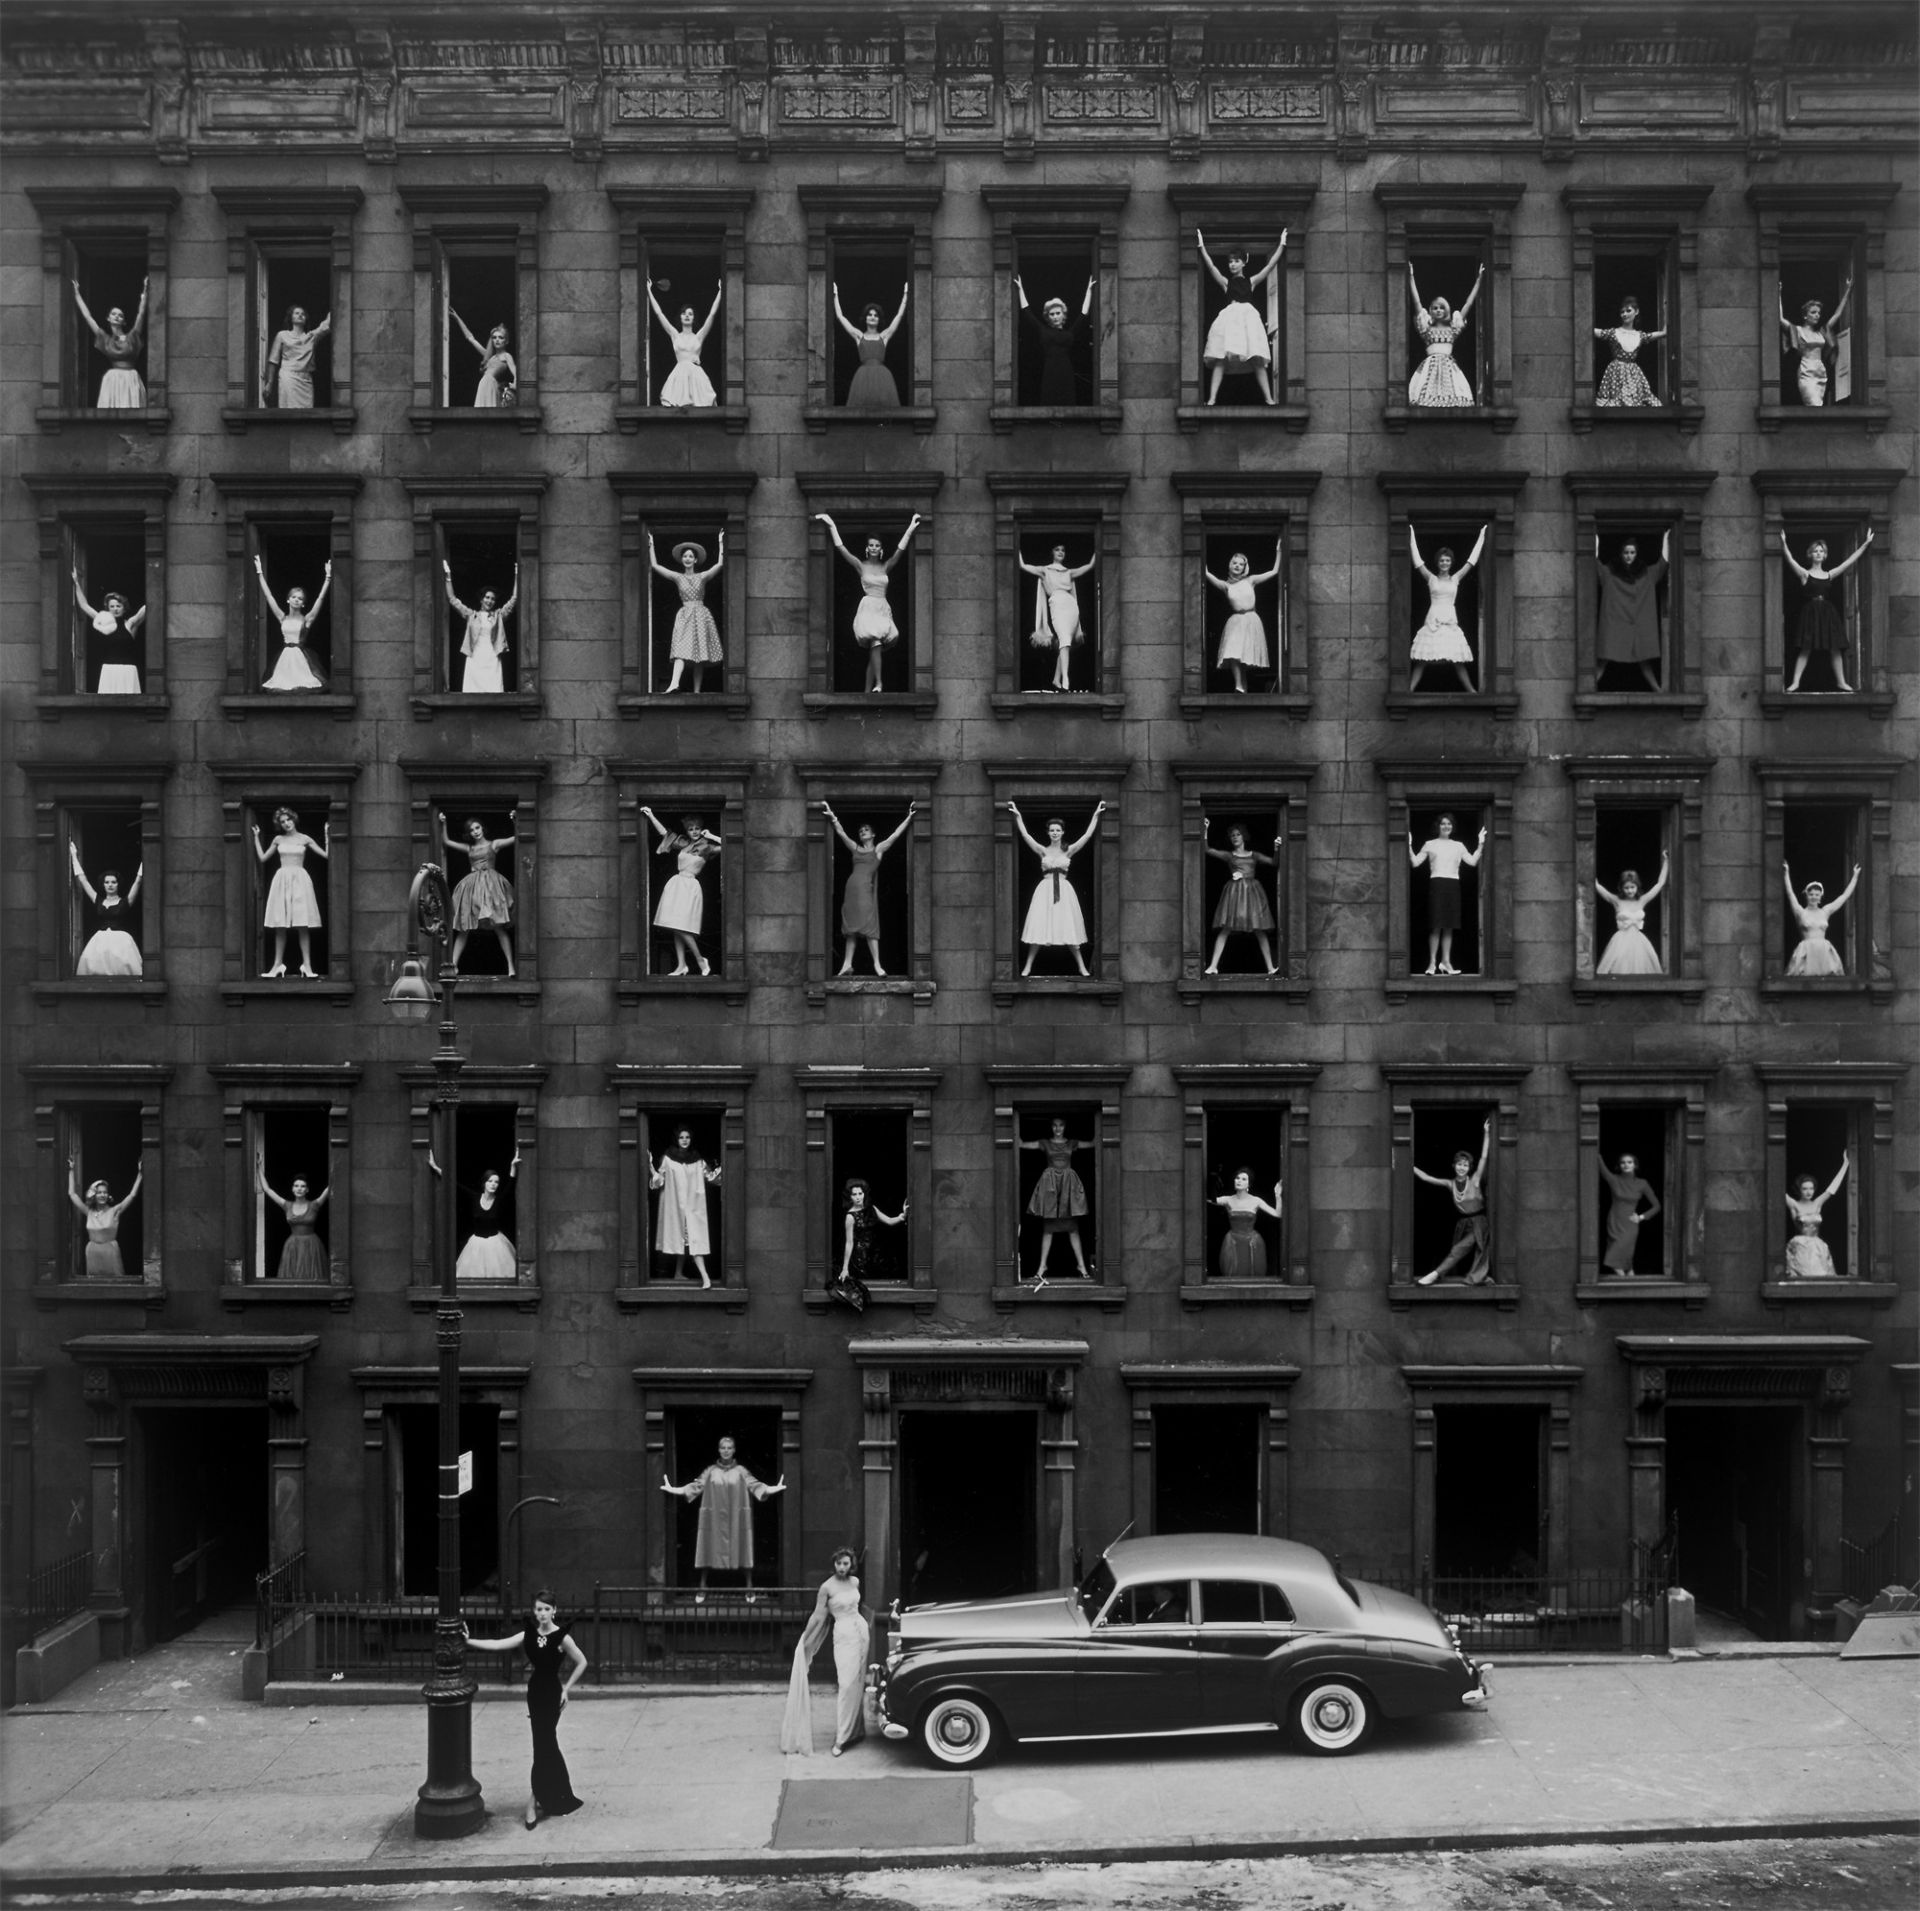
1209 502
1031 782
1206 783
1682 1093
825 1090
436 504
1040 1090
866 211
1866 783
1172 1383
1866 495
55 1088
1019 497
64 503
246 791
247 500
1415 1085
71 215
435 785
1234 209
894 784
645 212
1272 1085
1665 219
716 1092
518 1087
1472 215
1857 211
719 787
256 217
1493 497
435 213
897 493
643 497
246 1089
1603 503
662 1389
1056 207
58 789
1866 1091
1676 786
1454 782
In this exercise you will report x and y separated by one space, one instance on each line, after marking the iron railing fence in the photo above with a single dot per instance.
1867 1566
55 1593
1623 1611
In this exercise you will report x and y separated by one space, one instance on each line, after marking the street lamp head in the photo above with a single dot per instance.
412 996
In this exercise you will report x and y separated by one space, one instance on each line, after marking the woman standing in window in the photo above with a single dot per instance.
874 629
1237 339
482 898
100 1214
1440 640
857 1244
1054 920
499 376
681 1178
1623 382
1056 610
120 345
1472 1228
1059 1198
1443 860
291 669
1814 955
696 637
1243 641
292 902
687 386
1629 628
1058 339
1626 1214
304 1256
1243 908
682 906
488 1253
1629 949
873 387
110 950
485 642
1808 1256
1822 628
290 360
860 901
1438 382
116 642
1243 1255
1811 339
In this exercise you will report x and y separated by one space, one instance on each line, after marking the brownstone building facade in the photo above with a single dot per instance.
419 175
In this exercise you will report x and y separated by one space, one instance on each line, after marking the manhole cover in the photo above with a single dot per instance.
833 1814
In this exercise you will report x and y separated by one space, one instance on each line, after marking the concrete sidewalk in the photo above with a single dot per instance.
155 1772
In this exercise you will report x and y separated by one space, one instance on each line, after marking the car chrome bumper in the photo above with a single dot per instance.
1476 1700
891 1730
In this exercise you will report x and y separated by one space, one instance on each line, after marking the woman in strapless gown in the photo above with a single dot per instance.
1815 955
1808 1256
687 387
873 387
1821 629
304 1257
291 669
1629 950
1243 1255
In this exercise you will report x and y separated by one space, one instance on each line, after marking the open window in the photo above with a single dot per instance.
496 1185
687 249
476 546
1829 1198
1824 819
104 1158
105 936
683 900
1637 835
862 911
662 1241
1257 817
481 823
1641 1182
1057 544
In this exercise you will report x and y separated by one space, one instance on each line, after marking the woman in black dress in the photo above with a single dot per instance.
856 1253
548 1647
1059 340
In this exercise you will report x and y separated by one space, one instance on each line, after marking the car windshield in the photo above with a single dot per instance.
1096 1589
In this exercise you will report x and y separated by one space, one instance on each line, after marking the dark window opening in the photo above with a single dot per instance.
1049 373
109 558
1639 274
1239 386
1440 1132
205 1535
672 1256
870 1145
1083 878
1643 1133
1054 606
671 617
416 1432
1261 652
968 1505
1631 840
1206 1469
1250 1140
1448 272
110 844
483 555
480 288
486 1141
112 272
294 555
1489 1516
681 273
850 655
660 873
1821 843
1036 1165
1228 906
893 912
870 272
1624 673
1819 1136
293 1145
693 1444
301 276
281 897
1823 618
1427 916
1442 673
482 954
1733 1501
1814 271
103 1144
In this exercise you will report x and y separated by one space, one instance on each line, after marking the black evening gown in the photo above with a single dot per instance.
552 1787
1059 347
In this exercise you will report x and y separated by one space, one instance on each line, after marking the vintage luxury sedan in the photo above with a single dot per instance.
1170 1637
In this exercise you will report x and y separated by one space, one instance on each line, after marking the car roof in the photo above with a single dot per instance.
1232 1555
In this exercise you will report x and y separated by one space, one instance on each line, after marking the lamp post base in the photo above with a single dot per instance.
450 1804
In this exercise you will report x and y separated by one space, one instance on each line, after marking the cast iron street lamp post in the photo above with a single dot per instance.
450 1805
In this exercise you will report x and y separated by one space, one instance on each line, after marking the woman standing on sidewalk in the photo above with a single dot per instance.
838 1607
548 1647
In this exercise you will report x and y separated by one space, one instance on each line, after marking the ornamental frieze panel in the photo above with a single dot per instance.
1254 105
1101 105
838 103
651 102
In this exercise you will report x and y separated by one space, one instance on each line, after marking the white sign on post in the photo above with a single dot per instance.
466 1473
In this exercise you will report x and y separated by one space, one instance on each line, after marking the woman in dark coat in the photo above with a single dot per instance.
1058 339
548 1647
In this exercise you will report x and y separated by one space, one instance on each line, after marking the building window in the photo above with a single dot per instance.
496 1185
1829 1193
1242 825
1642 1180
683 893
1456 1196
289 305
481 823
872 606
287 1127
682 252
870 922
473 540
1209 1446
101 1196
1056 353
700 1539
696 1214
870 305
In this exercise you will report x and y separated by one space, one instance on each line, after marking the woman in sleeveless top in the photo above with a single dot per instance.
857 1259
485 641
1243 641
873 627
1243 1255
860 901
837 1611
1440 638
304 1257
499 376
1815 955
291 670
110 950
1054 920
1056 610
1059 1198
100 1214
1812 339
1242 908
687 387
292 902
873 387
682 906
290 360
1437 382
116 644
1237 339
1623 383
1808 1256
1821 627
121 346
482 898
554 1666
1629 950
696 637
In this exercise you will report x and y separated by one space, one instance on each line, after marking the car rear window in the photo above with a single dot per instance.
1243 1602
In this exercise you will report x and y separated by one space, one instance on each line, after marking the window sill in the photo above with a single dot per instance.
1594 988
1781 988
1641 1287
1397 417
1092 988
1057 703
1005 417
99 1293
1210 703
876 703
1217 1293
245 417
238 1295
56 417
1587 417
821 417
632 1296
499 417
1474 1294
1293 417
1869 418
524 704
94 988
525 1295
731 704
718 988
287 987
499 988
1193 986
1400 988
921 988
1857 703
922 1300
1402 704
1874 1293
1588 704
731 418
1062 1290
261 703
69 704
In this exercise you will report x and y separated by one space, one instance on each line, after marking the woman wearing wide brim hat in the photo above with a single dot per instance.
696 637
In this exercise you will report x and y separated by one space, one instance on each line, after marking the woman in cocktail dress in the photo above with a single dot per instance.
1623 383
291 669
1237 339
682 906
695 642
836 1611
116 644
488 1252
1440 640
100 1214
1808 1256
1059 1198
1821 629
1243 908
292 901
874 629
485 640
1243 1255
687 386
1814 955
110 950
304 1256
860 900
482 898
1054 919
873 387
120 345
1243 640
1812 339
1438 382
554 1666
1629 949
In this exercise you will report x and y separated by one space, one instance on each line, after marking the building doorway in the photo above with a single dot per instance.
969 1489
1489 1503
1206 1469
414 1439
1732 1497
205 1512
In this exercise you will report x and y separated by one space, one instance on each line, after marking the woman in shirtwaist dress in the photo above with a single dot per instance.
682 906
1243 642
1053 919
290 361
1822 627
696 637
681 1178
724 1541
292 902
838 1611
1623 383
482 898
860 901
1443 860
549 1646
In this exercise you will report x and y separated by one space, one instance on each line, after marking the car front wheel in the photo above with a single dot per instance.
959 1733
1330 1717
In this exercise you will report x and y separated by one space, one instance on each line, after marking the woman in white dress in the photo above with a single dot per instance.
291 901
119 645
687 387
120 345
1808 1256
1438 383
1056 610
488 1253
838 1611
482 898
499 375
1237 339
1629 949
682 907
290 360
291 670
696 637
1243 642
1440 640
681 1178
873 627
1812 339
100 1214
485 642
1815 955
110 950
1443 859
1053 919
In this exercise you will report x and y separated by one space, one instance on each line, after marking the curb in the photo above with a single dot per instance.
936 1857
